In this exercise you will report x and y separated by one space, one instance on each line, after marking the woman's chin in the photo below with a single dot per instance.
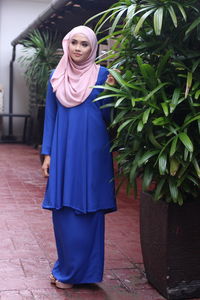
78 59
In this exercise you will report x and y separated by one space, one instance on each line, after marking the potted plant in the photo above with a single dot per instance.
41 55
157 116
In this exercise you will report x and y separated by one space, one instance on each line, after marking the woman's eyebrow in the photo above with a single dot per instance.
74 40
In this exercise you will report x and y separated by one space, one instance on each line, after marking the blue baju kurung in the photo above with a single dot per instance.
80 186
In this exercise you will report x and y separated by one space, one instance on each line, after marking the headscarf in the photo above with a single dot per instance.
71 81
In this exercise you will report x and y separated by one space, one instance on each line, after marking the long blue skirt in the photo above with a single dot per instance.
80 246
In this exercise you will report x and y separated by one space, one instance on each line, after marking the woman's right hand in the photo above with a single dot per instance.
46 165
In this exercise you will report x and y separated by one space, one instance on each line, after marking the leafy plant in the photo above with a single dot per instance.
157 99
40 57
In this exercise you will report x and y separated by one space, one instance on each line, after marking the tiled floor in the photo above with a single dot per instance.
27 249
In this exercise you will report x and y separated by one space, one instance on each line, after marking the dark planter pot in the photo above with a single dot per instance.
170 240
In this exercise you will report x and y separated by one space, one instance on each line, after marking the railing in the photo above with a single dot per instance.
24 133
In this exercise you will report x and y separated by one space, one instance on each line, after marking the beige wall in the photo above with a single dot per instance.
15 16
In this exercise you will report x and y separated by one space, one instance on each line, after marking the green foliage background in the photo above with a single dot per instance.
40 61
157 99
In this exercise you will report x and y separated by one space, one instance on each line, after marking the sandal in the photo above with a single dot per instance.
52 279
62 285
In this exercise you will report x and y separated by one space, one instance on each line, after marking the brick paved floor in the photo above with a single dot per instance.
27 249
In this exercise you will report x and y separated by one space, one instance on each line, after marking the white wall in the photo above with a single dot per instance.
15 16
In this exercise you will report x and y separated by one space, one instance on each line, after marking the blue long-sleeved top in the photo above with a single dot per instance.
81 170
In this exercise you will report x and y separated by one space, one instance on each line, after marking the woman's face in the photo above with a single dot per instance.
79 48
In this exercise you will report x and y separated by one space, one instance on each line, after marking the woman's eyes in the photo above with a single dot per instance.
82 44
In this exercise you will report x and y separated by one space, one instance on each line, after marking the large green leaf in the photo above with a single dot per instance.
173 189
152 138
162 62
134 167
195 65
197 94
188 83
158 191
145 116
186 141
147 178
180 199
173 146
119 101
147 156
142 19
182 11
149 75
165 108
105 21
104 14
194 24
124 124
186 154
140 126
117 19
193 180
130 14
160 121
190 120
119 117
133 172
109 88
175 98
174 166
158 20
154 91
106 96
162 163
173 15
196 166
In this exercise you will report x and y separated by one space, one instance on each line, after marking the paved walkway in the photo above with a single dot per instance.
27 249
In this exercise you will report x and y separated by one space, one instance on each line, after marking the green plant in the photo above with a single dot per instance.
157 99
40 57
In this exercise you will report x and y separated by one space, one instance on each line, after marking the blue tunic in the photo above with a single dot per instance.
81 169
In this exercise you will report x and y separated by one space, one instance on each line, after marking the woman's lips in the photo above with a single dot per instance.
77 54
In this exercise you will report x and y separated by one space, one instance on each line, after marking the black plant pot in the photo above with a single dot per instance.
170 240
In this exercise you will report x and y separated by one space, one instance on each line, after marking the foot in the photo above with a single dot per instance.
52 279
62 285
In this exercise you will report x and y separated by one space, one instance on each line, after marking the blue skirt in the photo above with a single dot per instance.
80 246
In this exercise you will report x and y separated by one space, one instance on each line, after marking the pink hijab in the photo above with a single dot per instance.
72 82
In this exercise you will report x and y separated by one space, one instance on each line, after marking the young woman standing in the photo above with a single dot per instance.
78 162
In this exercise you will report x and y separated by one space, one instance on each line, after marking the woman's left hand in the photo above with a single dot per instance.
46 165
110 79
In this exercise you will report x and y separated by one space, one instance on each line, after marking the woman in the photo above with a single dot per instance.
78 163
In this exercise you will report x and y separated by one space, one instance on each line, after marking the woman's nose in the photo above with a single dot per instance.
77 48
